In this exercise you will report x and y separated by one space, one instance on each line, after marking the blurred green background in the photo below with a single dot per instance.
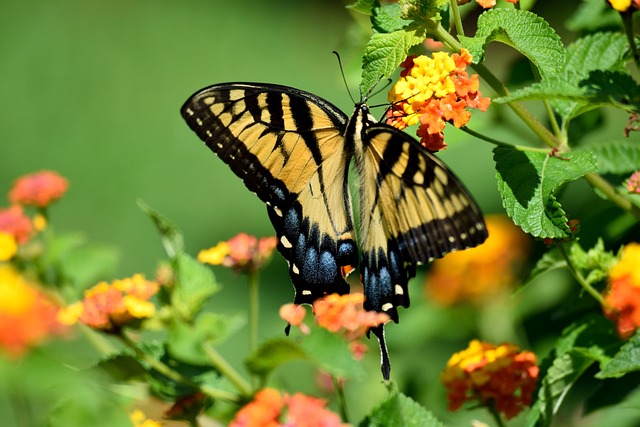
92 89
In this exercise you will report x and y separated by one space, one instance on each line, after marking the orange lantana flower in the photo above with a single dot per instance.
38 189
27 315
344 313
13 221
109 306
623 293
433 91
478 274
243 252
499 376
270 408
633 183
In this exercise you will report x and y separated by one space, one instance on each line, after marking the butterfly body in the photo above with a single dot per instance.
293 149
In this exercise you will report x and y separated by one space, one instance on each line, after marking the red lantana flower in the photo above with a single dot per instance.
502 377
38 189
243 252
270 408
433 91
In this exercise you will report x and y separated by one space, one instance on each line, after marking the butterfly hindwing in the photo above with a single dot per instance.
287 146
417 211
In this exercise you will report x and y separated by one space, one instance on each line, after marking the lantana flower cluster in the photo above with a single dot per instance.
622 297
432 91
27 315
624 5
270 408
500 377
38 190
478 274
243 252
341 314
633 183
109 306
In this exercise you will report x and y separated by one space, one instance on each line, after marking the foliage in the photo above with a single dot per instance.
159 342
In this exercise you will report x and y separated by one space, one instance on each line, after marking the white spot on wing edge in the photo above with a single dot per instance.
399 290
285 242
386 307
306 292
295 269
189 111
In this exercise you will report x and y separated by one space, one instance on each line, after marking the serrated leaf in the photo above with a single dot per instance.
583 343
615 156
388 18
272 354
527 181
599 51
194 285
186 341
400 411
554 88
625 361
550 260
522 30
362 6
169 234
383 55
122 367
555 385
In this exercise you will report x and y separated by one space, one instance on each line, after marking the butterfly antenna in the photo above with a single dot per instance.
344 79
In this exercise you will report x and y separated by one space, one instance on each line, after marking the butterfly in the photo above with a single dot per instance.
293 150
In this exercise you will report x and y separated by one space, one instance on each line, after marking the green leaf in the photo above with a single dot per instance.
595 263
388 18
122 367
583 343
625 361
194 285
272 354
592 15
527 181
522 30
331 353
400 411
554 88
87 264
186 341
600 51
362 6
384 53
597 52
560 377
170 234
615 156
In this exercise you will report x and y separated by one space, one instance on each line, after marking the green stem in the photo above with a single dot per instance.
578 276
176 376
342 403
500 143
601 184
254 310
456 17
227 371
627 21
496 415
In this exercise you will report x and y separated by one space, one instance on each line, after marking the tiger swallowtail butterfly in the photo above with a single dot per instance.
293 149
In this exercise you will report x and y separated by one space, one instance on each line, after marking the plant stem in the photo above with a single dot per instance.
226 370
500 143
599 183
176 376
456 17
496 415
254 310
579 278
342 403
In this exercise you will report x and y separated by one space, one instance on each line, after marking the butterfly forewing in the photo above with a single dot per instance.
288 148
